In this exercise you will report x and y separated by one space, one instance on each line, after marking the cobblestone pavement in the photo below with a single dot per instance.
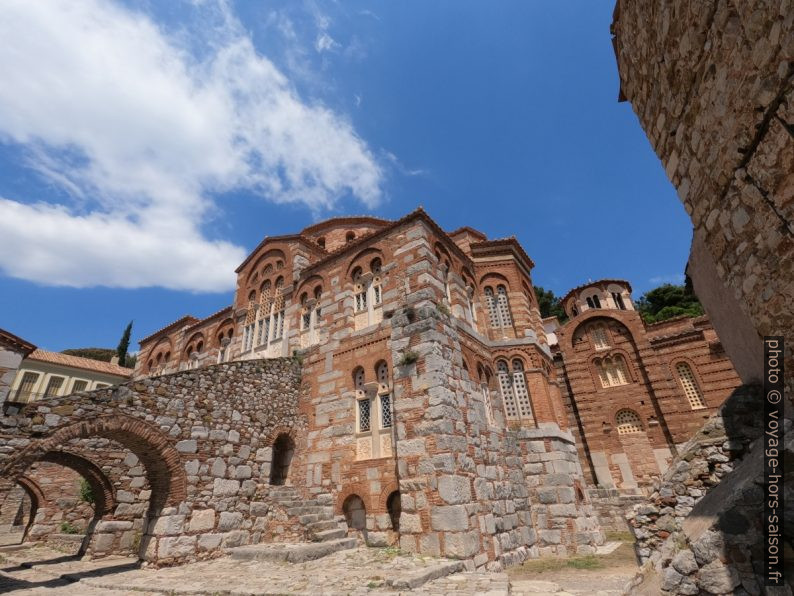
41 570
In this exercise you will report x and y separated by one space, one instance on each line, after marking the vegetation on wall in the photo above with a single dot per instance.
668 301
86 492
101 354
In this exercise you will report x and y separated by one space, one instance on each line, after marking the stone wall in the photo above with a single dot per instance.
712 84
700 531
204 439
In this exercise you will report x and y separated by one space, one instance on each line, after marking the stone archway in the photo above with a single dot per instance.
394 508
162 462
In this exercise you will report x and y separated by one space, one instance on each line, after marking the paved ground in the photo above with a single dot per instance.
41 570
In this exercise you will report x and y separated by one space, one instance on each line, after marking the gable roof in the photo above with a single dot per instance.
187 319
16 343
79 362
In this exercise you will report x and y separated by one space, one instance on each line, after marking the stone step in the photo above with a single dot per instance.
414 579
328 535
289 552
316 509
324 524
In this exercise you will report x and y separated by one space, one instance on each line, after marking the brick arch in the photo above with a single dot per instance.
634 376
37 499
163 463
357 488
101 486
274 434
606 316
391 487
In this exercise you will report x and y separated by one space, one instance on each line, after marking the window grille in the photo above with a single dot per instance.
385 411
79 386
25 389
505 384
628 422
520 390
363 415
490 302
503 307
53 386
690 386
600 341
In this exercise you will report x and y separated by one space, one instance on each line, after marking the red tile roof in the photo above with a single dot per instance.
78 362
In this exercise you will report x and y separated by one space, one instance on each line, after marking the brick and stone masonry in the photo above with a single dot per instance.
394 376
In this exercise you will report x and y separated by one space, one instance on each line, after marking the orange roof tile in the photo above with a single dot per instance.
78 362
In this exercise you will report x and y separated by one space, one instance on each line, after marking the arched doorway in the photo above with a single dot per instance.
394 508
283 449
355 513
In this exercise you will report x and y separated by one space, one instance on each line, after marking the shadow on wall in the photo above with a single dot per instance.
703 528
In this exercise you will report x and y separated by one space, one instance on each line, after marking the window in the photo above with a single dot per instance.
374 416
520 389
514 390
690 386
321 242
613 371
101 385
25 390
490 304
368 295
503 306
628 422
593 301
350 236
618 299
78 385
363 415
599 335
53 386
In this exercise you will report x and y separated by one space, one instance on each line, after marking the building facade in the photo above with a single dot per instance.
13 350
438 408
45 374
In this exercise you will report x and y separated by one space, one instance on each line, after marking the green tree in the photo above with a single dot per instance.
124 345
668 301
549 304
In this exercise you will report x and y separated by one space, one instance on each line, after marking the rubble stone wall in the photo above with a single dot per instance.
712 84
204 440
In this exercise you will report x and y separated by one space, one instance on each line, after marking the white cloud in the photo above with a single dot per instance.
325 43
144 131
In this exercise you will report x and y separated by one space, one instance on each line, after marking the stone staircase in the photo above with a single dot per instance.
315 515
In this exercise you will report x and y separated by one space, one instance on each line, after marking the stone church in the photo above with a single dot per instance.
383 380
437 407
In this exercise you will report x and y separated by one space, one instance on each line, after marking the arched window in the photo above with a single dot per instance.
599 335
252 296
359 290
612 371
514 390
575 311
618 299
520 389
490 303
593 301
350 236
267 270
377 293
279 265
374 415
200 347
590 302
503 306
628 422
321 242
690 386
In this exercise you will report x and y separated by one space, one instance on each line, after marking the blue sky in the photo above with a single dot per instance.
145 147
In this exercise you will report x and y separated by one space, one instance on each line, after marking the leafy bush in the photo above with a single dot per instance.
668 301
409 357
86 492
68 528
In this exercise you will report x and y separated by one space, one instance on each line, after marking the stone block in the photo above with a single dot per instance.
230 520
449 518
225 488
168 525
187 446
112 526
202 520
410 523
454 489
176 547
461 545
209 541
